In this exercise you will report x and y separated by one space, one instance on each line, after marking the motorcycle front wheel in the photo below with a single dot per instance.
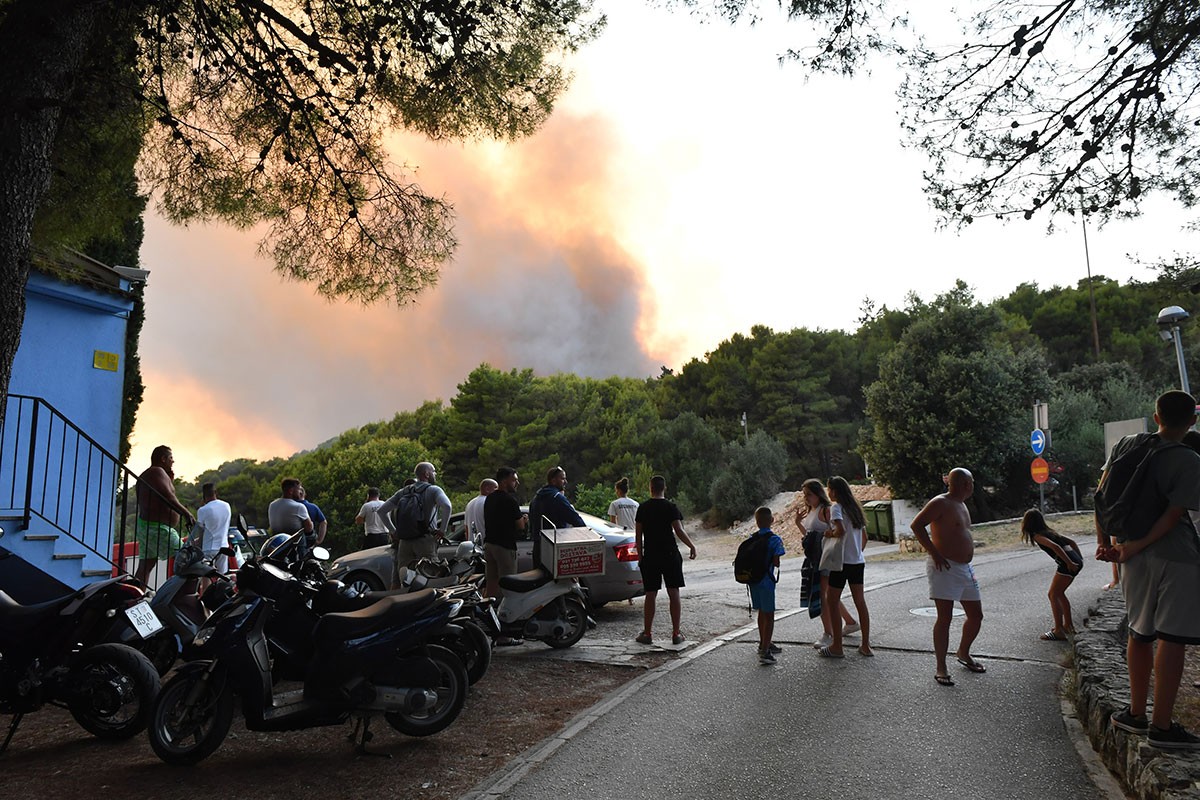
575 615
187 733
451 692
112 690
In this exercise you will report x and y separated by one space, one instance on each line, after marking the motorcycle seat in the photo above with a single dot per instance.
526 581
392 610
15 616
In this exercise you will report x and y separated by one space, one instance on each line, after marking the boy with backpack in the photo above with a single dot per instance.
1142 507
763 548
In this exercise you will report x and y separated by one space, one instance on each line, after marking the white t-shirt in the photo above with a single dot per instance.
213 519
625 510
473 516
852 549
370 514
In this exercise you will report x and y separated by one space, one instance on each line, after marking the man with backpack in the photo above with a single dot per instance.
416 517
1148 485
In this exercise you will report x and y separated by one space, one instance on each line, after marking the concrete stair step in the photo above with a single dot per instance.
68 557
95 573
40 537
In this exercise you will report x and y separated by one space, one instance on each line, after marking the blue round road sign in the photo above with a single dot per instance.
1037 440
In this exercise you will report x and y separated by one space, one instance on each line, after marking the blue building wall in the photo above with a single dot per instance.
71 355
65 325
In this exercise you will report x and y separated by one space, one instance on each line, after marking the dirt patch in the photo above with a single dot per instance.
516 705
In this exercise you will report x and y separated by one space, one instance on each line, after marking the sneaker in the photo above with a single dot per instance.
851 629
765 657
1126 721
1174 738
643 638
678 638
775 649
824 641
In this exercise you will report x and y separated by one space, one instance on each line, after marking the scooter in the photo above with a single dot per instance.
58 653
534 605
360 664
182 607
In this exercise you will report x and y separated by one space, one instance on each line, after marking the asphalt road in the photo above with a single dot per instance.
720 725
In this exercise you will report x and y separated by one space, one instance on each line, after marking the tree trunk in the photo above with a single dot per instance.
42 43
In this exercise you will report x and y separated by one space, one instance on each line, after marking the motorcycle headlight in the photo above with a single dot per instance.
203 635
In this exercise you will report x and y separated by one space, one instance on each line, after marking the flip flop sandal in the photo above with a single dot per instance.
944 680
866 653
972 665
1051 636
825 652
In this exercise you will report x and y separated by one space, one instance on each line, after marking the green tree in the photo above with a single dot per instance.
954 392
752 474
274 113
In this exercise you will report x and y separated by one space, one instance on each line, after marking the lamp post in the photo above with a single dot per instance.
1169 320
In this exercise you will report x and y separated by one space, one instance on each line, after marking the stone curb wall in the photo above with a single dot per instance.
1102 687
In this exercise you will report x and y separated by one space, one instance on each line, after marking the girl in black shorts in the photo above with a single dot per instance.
1066 555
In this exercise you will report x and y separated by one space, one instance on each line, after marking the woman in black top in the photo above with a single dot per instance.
1066 555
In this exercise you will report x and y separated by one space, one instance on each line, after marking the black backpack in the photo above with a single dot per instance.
1127 504
410 518
753 560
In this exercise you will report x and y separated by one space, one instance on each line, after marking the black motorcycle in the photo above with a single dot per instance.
356 664
56 653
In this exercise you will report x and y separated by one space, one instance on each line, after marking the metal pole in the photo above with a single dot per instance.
1091 289
1183 376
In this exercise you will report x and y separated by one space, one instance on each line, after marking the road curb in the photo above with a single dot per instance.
1102 687
501 781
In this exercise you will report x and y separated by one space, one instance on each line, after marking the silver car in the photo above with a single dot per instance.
371 569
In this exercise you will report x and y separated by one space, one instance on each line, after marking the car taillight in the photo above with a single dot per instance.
626 552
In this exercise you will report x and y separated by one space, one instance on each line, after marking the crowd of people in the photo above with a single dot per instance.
1156 567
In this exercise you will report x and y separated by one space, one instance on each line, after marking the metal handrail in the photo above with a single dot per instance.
65 478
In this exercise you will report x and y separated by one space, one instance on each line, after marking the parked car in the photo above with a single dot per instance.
371 569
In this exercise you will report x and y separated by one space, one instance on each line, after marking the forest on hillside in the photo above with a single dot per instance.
909 394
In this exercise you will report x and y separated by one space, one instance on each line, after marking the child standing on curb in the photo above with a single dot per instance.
762 594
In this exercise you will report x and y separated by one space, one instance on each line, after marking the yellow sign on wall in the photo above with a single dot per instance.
103 360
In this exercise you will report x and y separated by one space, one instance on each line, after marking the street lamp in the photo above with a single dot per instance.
1169 320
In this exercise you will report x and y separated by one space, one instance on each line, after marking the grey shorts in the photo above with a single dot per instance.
498 562
957 583
1161 598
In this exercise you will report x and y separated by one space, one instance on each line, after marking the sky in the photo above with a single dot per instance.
687 187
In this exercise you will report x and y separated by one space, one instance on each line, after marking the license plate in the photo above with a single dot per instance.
143 619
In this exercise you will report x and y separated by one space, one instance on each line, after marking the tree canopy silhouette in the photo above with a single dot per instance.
275 113
1070 105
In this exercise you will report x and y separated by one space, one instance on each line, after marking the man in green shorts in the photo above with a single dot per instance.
158 513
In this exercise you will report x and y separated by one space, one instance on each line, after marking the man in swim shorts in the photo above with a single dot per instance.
951 578
158 513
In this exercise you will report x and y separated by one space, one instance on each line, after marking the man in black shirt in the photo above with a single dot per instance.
658 524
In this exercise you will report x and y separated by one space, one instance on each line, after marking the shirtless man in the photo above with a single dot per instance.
158 512
951 577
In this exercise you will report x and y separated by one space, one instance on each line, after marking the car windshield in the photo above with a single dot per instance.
599 524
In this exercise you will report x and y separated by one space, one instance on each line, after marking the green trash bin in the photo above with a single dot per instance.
879 520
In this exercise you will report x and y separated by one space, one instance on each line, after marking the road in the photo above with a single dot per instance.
717 724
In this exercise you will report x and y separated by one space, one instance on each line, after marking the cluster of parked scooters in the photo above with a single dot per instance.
294 648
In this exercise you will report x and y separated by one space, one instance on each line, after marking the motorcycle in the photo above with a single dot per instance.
358 664
56 653
534 605
182 607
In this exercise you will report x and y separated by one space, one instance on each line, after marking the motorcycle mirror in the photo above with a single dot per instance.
241 524
319 553
1 533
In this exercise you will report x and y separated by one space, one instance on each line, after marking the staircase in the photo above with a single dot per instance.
63 497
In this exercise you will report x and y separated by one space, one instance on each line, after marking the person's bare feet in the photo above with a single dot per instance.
866 650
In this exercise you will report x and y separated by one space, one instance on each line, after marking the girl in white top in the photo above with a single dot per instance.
848 522
623 510
813 514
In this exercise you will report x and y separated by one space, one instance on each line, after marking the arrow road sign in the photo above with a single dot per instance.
1037 440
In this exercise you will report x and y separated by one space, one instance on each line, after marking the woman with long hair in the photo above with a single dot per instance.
1069 559
812 516
848 522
